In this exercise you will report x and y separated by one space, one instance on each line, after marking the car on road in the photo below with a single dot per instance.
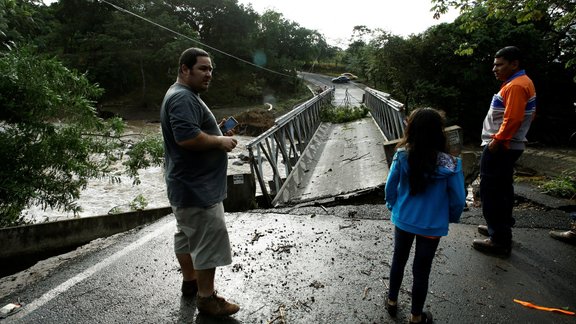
341 79
349 75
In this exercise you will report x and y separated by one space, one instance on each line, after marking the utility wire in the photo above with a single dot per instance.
193 40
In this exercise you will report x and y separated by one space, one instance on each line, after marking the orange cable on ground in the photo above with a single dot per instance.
548 309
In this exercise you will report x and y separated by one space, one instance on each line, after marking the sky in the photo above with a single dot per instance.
335 19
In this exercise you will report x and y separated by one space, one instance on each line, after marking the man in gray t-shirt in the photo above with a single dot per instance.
195 153
194 178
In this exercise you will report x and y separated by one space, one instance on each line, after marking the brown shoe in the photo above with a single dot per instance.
392 309
425 318
566 236
189 288
483 229
215 306
488 246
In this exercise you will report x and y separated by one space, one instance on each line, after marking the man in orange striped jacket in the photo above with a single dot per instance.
503 138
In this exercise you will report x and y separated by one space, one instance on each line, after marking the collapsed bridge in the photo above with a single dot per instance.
310 160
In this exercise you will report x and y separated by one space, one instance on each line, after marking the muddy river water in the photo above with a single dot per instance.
101 196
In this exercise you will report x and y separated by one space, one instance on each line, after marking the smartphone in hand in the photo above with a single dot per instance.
228 125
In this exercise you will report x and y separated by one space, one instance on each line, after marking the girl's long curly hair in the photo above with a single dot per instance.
423 139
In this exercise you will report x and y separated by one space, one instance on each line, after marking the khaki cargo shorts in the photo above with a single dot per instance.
202 233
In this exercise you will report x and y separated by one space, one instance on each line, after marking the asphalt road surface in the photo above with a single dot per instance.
346 94
301 265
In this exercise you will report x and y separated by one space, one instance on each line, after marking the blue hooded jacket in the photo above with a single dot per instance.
427 213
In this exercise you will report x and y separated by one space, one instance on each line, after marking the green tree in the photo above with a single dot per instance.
134 59
51 140
20 20
358 50
556 18
126 55
281 41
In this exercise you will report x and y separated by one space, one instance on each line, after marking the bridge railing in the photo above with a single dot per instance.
388 113
276 151
390 116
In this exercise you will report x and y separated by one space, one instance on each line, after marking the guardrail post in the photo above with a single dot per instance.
389 150
241 192
455 138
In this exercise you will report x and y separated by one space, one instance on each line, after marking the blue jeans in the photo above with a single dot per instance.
497 192
423 256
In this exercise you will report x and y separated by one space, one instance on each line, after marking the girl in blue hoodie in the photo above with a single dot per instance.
425 192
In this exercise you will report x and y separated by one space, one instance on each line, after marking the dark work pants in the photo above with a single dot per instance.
497 192
423 256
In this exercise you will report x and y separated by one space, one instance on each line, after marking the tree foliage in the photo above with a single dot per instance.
131 48
449 68
51 140
556 18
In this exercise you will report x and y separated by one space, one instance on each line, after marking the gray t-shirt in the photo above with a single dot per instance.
193 178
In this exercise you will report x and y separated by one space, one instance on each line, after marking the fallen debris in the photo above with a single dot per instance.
366 292
548 309
279 317
256 237
10 309
316 284
283 248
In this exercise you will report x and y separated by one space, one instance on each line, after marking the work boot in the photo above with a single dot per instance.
483 229
566 236
215 305
489 246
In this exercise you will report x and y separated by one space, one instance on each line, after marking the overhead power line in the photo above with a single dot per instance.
193 40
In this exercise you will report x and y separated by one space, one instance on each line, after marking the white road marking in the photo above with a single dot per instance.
47 297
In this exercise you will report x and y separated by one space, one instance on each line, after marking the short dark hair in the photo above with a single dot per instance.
510 53
189 57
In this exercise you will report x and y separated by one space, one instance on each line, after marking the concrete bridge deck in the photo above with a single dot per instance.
341 160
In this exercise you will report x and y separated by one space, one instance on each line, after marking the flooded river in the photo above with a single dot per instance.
102 196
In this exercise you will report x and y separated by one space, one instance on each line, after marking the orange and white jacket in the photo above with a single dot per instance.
511 112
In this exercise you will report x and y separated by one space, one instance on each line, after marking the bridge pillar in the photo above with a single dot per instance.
241 192
454 137
389 150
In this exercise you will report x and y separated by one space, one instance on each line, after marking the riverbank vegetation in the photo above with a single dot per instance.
342 114
562 187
